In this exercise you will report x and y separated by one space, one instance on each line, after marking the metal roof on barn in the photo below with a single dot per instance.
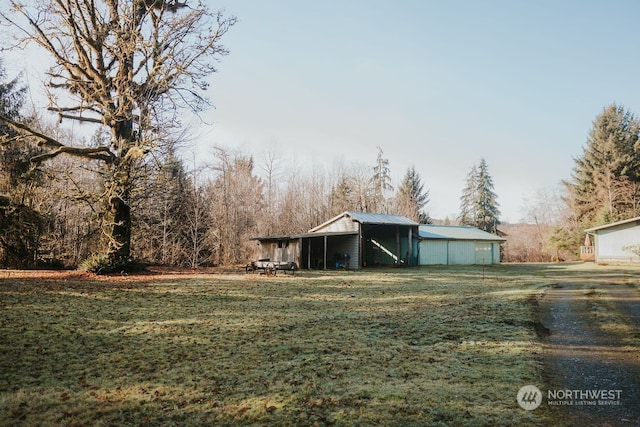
369 218
455 232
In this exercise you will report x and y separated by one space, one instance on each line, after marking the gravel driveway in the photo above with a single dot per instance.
592 354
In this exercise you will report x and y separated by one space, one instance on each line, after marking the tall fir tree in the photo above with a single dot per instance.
340 196
20 225
488 207
605 181
606 177
478 204
14 158
381 183
468 199
411 197
163 205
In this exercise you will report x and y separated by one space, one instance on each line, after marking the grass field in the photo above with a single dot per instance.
429 346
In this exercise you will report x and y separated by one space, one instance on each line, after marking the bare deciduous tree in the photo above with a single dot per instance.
236 201
271 169
124 66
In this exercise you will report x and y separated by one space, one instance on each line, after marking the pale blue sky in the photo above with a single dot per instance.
436 84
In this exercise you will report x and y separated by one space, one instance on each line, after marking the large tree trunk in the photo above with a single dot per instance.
119 251
120 238
120 65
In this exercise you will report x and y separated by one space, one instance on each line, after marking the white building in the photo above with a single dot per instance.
457 245
613 242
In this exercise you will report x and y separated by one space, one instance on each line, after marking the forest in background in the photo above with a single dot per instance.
129 193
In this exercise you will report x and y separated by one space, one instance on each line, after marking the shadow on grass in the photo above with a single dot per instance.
431 346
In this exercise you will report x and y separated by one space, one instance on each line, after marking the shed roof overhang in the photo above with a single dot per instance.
631 221
302 236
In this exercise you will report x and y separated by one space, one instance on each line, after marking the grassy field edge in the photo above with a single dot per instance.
427 346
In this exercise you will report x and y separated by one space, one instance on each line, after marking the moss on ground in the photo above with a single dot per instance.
429 346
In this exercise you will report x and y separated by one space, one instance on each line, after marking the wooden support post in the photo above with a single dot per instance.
325 252
361 257
410 249
398 246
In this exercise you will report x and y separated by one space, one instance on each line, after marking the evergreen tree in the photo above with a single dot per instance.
11 100
14 158
487 211
20 225
468 199
605 180
341 195
412 197
163 208
478 205
381 182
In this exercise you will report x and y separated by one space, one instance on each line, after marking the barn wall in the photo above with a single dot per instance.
609 244
343 225
496 252
462 253
283 250
458 252
483 253
434 252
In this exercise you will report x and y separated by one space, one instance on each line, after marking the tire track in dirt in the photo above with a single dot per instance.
593 345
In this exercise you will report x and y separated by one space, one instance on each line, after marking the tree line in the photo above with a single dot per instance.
603 187
605 182
131 69
182 213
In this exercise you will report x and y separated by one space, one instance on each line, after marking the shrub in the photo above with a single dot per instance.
101 264
96 264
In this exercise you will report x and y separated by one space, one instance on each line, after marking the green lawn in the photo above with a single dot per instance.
429 346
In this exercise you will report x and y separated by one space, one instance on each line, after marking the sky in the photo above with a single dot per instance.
438 85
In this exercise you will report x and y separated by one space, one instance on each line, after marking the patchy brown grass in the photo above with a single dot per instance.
431 346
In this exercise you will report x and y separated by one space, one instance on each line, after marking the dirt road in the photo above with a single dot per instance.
592 354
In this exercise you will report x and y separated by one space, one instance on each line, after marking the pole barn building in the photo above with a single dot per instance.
350 240
457 245
612 242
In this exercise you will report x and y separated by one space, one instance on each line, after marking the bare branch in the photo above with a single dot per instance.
44 139
124 64
97 153
78 118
